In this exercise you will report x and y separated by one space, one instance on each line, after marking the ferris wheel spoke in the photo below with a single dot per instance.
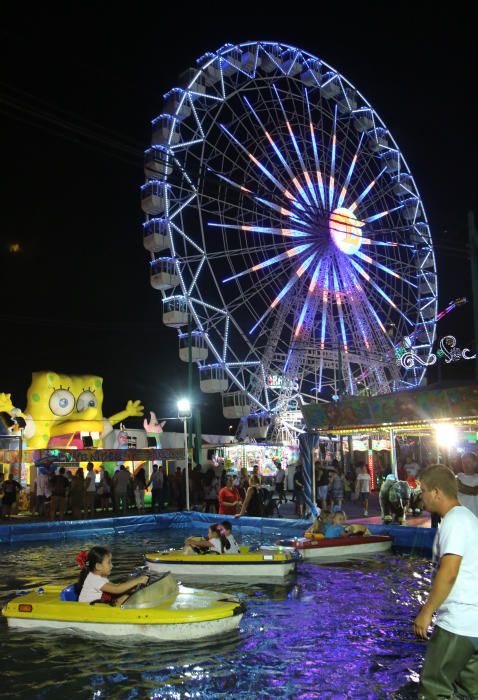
286 232
277 150
233 162
242 188
316 156
224 255
368 259
325 299
292 252
256 162
365 192
310 293
332 161
338 302
357 309
367 277
388 244
298 272
300 188
343 191
380 215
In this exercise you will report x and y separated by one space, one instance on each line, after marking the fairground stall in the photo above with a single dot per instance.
237 456
442 420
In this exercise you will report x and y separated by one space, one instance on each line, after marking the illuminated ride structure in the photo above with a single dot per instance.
285 226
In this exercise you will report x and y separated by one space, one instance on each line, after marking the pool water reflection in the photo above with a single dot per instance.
333 631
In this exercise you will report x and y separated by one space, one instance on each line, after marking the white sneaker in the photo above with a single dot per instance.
365 513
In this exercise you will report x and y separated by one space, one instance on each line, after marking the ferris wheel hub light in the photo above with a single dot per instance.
345 230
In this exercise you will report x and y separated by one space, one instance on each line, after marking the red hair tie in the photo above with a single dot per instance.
82 558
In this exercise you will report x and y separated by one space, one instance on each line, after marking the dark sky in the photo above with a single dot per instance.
79 85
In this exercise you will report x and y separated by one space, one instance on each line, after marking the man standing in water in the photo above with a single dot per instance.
451 662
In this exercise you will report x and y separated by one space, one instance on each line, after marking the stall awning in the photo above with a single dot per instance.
95 455
404 409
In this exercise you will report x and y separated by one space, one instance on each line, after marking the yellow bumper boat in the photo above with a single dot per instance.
270 564
164 611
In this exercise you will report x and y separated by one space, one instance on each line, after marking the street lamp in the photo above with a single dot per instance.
184 412
446 436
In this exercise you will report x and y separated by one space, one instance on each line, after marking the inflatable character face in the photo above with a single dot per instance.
62 404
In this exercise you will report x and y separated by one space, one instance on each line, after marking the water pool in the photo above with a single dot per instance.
333 631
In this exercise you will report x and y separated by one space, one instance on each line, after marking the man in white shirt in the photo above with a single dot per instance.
468 482
451 662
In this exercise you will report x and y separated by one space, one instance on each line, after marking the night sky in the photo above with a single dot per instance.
79 85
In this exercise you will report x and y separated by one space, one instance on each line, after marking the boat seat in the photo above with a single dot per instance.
70 593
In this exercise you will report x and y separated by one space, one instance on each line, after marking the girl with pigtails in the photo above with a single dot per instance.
93 583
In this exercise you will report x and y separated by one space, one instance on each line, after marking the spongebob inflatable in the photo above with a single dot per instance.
60 408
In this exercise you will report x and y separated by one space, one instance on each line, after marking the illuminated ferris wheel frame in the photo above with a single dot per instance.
299 245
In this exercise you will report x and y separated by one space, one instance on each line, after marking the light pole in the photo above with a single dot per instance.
184 412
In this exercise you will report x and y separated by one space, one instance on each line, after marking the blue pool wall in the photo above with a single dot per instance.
414 539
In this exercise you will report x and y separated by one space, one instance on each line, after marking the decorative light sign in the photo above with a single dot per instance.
278 381
407 358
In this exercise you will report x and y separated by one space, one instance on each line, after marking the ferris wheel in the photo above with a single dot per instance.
283 222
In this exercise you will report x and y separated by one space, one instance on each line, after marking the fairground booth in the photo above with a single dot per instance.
439 421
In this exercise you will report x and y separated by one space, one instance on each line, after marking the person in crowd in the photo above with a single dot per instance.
468 482
69 476
336 488
59 490
243 483
93 583
105 491
229 498
401 473
90 490
77 493
130 499
43 491
451 662
9 490
211 501
411 468
322 484
139 489
156 484
219 472
165 494
362 486
177 488
252 504
121 480
216 542
196 486
256 474
233 545
298 489
279 482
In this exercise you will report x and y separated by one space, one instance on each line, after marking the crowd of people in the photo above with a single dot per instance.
78 493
